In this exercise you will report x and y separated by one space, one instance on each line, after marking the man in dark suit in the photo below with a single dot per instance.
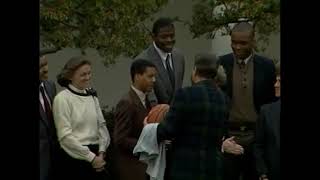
130 112
196 121
169 61
48 143
250 80
267 144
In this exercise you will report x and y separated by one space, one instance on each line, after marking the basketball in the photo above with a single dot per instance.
157 113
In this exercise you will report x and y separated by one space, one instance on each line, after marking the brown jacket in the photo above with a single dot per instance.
129 117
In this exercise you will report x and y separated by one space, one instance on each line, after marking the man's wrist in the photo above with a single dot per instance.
102 153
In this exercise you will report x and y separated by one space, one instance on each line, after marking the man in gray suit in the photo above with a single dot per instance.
169 62
48 144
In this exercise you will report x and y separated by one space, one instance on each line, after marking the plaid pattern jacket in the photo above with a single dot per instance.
196 122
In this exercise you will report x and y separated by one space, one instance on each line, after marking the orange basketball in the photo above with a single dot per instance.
157 113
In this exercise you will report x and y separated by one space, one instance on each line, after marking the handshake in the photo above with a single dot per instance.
230 146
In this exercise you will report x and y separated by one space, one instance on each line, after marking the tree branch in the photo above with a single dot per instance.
145 27
68 25
48 51
238 5
226 6
80 4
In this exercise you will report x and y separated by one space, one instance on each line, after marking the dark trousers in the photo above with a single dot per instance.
236 166
168 161
80 169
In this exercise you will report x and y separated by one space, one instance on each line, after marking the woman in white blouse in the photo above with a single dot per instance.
81 127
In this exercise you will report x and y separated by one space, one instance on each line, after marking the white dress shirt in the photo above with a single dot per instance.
245 60
41 97
141 95
163 56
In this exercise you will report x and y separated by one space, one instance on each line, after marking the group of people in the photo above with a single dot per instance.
226 125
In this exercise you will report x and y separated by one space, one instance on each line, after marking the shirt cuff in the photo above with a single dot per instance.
90 156
102 148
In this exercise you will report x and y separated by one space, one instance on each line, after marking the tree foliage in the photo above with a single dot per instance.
209 16
112 27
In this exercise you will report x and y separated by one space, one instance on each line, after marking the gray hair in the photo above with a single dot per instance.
221 77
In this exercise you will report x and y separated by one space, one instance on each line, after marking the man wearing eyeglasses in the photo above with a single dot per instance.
250 80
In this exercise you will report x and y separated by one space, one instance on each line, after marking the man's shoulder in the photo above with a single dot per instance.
126 97
263 60
226 56
145 53
177 51
49 82
50 86
270 106
193 89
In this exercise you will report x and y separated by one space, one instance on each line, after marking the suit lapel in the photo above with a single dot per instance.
176 67
156 59
43 116
48 90
136 100
229 71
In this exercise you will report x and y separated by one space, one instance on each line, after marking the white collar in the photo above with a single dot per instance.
41 85
245 60
76 89
162 54
141 95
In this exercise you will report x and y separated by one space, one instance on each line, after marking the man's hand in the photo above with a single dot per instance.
145 122
230 146
103 154
263 177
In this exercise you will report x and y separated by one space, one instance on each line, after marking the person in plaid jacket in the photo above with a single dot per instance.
196 121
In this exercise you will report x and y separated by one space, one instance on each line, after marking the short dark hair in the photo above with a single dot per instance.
139 66
160 23
69 68
205 65
243 27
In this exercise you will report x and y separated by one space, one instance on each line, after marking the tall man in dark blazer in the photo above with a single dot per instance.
250 80
267 144
169 61
130 112
48 144
196 121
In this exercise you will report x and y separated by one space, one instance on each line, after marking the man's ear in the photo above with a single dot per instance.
136 77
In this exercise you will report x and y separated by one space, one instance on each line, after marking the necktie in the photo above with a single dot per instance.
242 64
46 103
170 71
148 104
